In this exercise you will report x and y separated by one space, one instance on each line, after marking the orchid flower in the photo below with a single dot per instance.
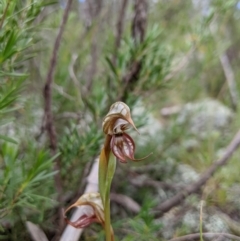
116 122
95 207
91 208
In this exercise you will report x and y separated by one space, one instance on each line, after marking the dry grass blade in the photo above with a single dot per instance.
36 233
126 202
210 236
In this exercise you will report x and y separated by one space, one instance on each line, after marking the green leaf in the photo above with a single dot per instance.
5 121
112 67
10 46
41 176
8 139
5 74
54 157
90 105
10 110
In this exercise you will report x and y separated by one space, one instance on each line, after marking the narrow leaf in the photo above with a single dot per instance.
112 67
8 139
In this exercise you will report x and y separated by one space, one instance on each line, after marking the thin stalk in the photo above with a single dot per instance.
201 214
110 173
107 219
4 15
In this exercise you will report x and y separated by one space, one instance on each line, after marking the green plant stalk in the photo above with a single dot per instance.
102 174
110 173
107 219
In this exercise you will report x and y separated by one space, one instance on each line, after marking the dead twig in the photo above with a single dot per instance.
179 197
126 202
162 185
140 20
94 47
230 78
139 25
36 233
144 181
47 93
61 91
226 66
196 236
119 32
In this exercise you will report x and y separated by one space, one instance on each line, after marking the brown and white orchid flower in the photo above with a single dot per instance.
116 122
91 208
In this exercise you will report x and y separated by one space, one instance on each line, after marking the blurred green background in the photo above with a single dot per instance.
174 62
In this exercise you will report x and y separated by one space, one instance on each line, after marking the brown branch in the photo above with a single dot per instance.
94 46
196 236
162 185
47 93
179 197
139 25
226 65
126 202
230 77
144 181
119 26
140 20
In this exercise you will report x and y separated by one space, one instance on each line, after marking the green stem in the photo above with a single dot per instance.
110 173
107 218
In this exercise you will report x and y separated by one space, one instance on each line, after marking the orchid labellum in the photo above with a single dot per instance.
91 210
116 122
